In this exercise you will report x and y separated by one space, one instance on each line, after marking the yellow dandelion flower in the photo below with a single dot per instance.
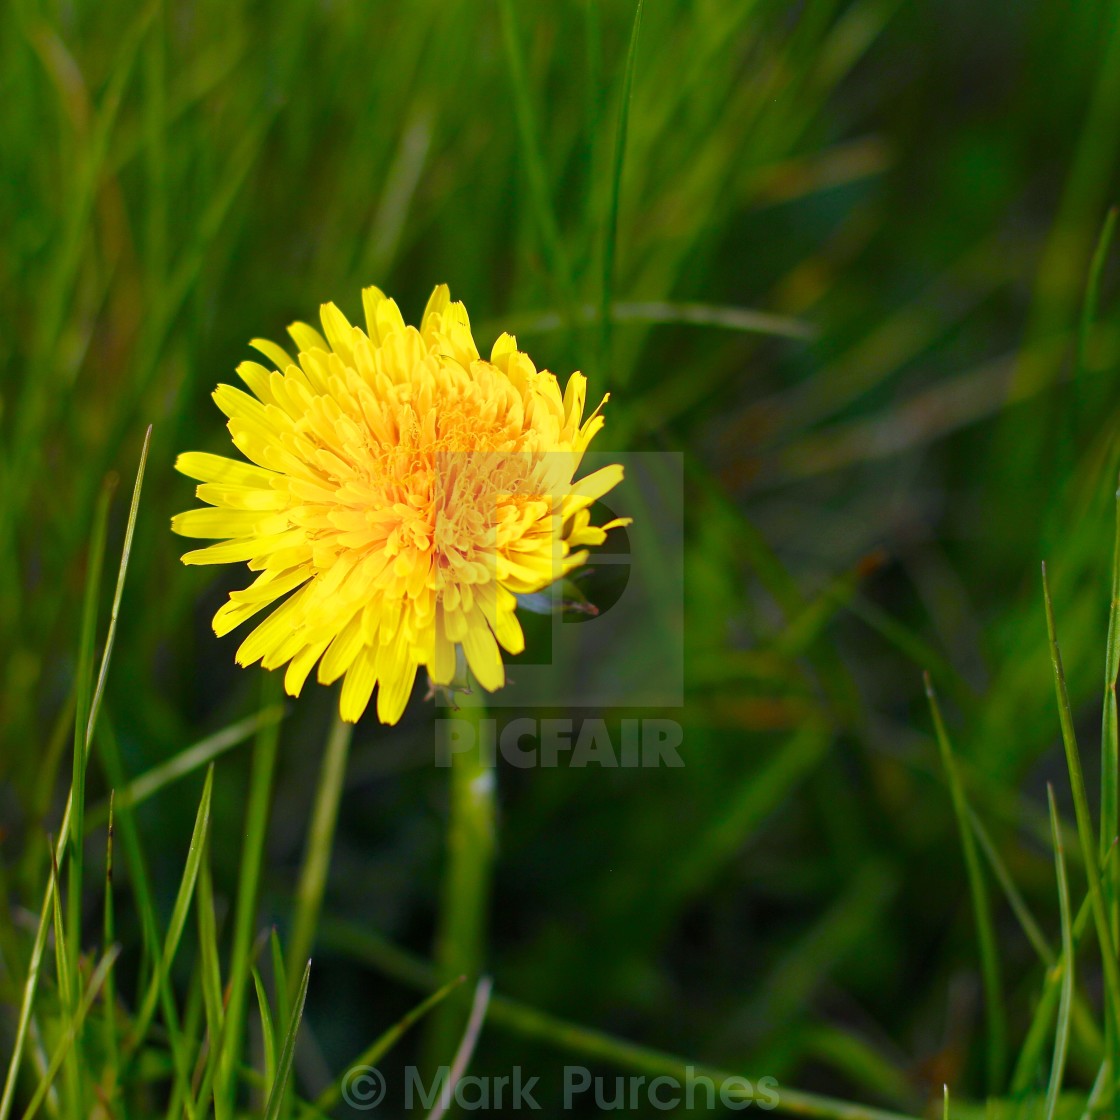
400 493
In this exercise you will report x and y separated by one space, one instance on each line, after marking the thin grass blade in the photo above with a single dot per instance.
320 842
981 904
110 1035
85 663
535 167
248 888
1061 1040
188 761
373 1054
1086 837
284 1065
211 979
610 229
268 1030
179 912
479 1006
67 1040
528 1022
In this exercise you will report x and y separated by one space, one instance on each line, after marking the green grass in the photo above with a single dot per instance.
856 261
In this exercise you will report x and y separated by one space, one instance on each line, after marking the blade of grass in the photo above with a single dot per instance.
110 1037
535 167
745 320
158 323
1061 1040
192 1042
187 762
210 1059
84 671
593 112
284 1065
68 1000
109 754
610 229
70 1033
804 629
1082 1016
921 653
178 914
82 710
747 804
857 1061
118 590
86 706
320 842
981 904
381 1046
1094 1104
1085 193
1093 287
268 1030
801 968
248 890
1085 831
155 147
479 1006
279 982
46 782
1110 737
530 1023
42 389
401 182
1030 1053
211 979
1011 892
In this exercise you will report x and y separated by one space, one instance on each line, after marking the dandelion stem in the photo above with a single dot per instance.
461 934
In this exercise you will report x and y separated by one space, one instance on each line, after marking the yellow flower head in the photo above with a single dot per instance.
400 492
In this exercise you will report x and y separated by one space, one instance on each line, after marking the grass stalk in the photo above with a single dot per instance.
610 230
981 904
85 662
111 1040
248 888
329 1098
479 1006
287 1054
1110 736
1065 1006
535 166
1086 838
84 689
71 1030
317 854
594 1045
1110 726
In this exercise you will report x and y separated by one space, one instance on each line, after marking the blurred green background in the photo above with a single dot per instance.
910 194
